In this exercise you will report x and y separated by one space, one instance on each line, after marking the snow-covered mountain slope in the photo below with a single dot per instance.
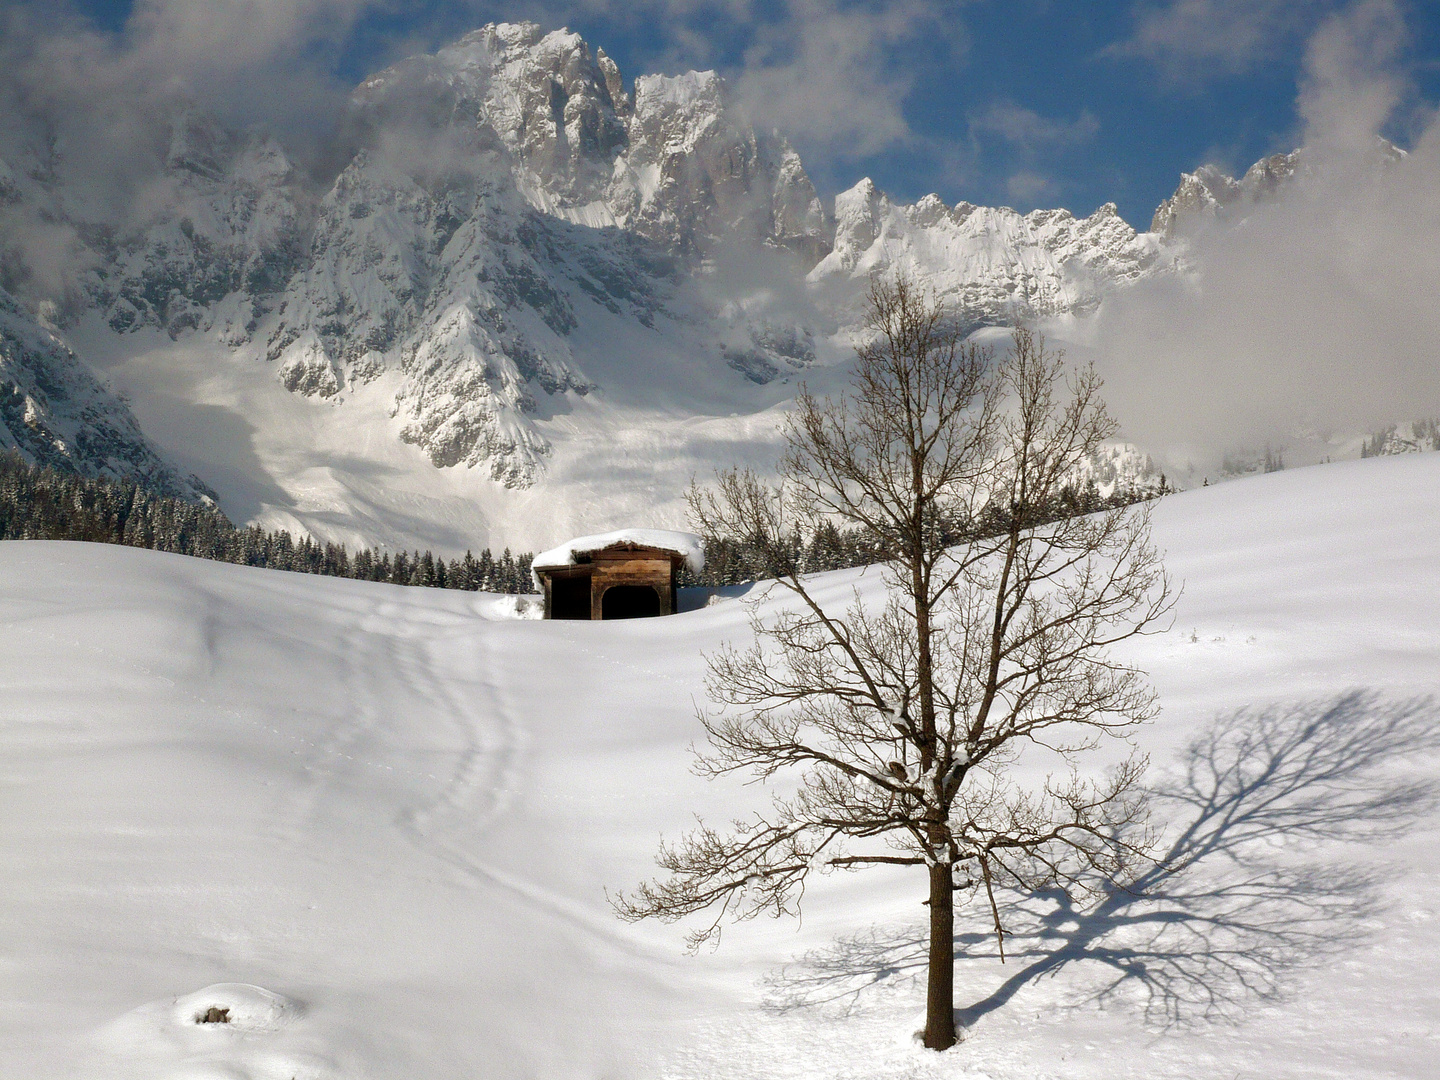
507 199
506 188
56 413
992 265
339 468
229 230
471 294
221 223
377 825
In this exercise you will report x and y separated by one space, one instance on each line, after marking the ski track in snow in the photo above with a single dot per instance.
488 773
413 669
485 783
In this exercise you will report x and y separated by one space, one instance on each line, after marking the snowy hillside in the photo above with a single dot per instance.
377 823
506 193
503 201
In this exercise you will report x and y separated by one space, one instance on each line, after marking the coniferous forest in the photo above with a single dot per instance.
732 561
39 503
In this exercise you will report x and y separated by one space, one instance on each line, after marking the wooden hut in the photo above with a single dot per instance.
621 575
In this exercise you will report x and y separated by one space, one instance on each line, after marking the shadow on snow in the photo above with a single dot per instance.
1239 897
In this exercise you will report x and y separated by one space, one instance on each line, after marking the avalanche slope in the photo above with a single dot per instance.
377 824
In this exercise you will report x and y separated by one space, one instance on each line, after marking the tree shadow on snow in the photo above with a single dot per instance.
1241 895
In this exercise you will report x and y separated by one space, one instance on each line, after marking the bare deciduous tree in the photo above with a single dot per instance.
905 721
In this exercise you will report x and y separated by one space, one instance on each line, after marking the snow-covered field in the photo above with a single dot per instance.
377 824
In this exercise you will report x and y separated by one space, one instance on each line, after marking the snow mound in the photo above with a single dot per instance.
232 1030
569 553
495 606
247 1008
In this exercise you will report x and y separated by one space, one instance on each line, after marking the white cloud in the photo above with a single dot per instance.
835 75
1351 86
1025 187
1317 313
105 100
1196 40
1030 132
246 60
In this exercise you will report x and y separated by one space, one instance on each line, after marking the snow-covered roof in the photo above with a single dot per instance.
568 554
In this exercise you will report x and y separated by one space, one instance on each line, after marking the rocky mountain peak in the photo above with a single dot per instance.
991 264
1209 193
613 83
549 100
676 163
513 207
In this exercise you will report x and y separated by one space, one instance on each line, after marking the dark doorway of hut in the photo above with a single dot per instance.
629 602
570 597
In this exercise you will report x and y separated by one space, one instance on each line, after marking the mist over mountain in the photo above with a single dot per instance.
1301 321
522 293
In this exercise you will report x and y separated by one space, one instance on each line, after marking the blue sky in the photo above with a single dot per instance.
1026 102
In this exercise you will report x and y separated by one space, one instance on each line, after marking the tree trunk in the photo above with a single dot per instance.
940 1000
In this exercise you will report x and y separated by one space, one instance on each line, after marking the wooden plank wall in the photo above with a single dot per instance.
620 569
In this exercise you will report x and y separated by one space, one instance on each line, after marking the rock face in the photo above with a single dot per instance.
769 349
1208 193
694 175
992 265
671 163
55 413
229 227
455 282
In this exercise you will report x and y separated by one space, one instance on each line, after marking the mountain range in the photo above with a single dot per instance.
531 299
